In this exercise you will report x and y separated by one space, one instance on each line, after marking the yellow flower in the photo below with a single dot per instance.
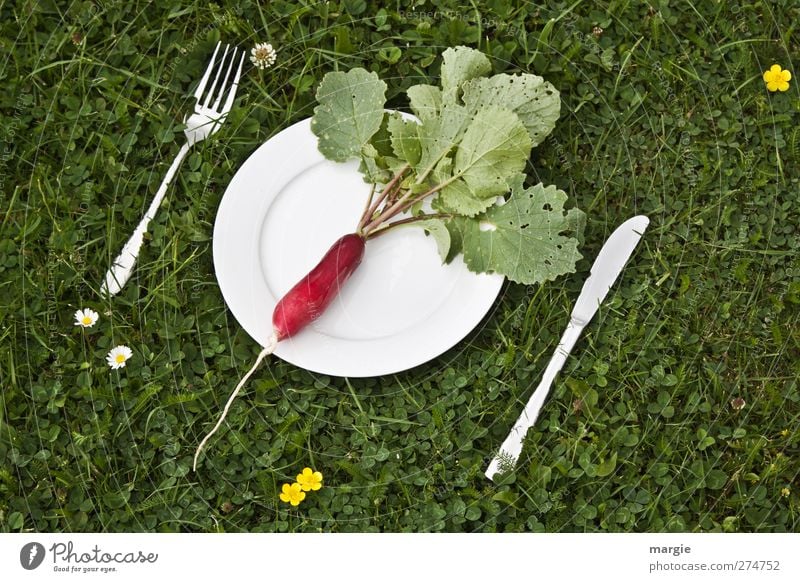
777 79
785 492
785 432
292 494
310 480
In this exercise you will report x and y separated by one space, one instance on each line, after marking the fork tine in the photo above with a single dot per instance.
224 84
234 85
201 87
210 92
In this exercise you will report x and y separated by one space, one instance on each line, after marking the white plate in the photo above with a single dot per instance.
282 211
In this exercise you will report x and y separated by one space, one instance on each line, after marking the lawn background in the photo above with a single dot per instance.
664 113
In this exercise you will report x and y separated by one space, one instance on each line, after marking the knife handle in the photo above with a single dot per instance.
512 446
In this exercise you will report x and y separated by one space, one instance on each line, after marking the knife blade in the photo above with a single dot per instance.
604 272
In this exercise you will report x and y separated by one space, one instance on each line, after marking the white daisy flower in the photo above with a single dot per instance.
86 317
263 55
117 357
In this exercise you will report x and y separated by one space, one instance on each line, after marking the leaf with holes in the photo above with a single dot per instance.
404 139
524 239
461 64
456 171
425 101
439 136
349 112
535 101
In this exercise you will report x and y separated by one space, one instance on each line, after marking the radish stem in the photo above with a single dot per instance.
271 344
379 231
387 190
392 198
367 206
404 203
387 213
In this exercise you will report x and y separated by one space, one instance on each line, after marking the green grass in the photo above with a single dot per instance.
664 113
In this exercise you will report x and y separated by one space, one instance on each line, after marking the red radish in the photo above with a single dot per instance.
304 303
307 300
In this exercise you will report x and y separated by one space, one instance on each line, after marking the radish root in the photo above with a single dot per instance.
271 344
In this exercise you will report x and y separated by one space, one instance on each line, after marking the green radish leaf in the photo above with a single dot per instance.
535 101
349 113
372 172
521 239
461 64
456 197
494 148
382 139
375 167
394 164
405 141
425 101
438 136
455 227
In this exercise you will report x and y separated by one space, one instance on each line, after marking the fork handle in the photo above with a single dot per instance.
122 267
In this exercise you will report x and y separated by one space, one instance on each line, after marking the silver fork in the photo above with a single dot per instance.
204 121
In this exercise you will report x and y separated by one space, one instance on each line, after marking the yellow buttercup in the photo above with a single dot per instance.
777 79
310 480
292 494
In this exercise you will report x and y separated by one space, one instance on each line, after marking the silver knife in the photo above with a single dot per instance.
605 270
